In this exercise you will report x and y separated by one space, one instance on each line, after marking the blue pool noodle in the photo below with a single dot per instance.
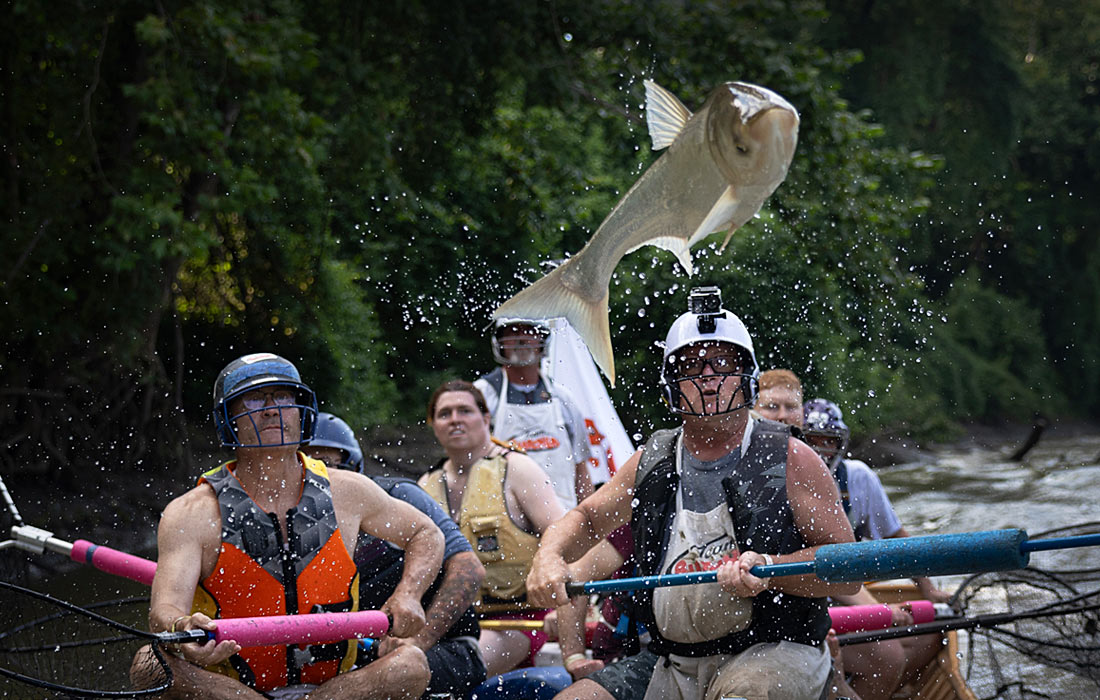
930 555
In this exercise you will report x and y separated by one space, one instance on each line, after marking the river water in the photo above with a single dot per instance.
965 489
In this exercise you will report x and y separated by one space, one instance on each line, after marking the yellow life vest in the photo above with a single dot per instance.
504 549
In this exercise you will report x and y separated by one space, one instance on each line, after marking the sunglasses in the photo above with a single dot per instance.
254 400
687 366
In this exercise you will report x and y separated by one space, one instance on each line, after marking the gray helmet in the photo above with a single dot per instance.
334 432
251 372
502 326
706 322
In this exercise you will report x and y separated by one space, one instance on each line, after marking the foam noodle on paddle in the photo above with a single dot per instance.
850 618
922 611
929 555
858 618
114 562
302 629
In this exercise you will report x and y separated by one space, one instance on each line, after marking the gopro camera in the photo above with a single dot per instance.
706 303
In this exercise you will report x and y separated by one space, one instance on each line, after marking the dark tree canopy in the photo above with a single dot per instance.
357 185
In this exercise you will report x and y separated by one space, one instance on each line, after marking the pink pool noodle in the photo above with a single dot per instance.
114 562
857 618
853 618
302 629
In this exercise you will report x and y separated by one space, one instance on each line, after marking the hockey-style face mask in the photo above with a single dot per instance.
520 343
824 429
254 389
708 379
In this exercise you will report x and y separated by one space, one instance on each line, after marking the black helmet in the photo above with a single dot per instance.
334 432
259 370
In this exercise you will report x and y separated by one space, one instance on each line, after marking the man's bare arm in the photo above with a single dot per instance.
819 517
531 488
580 529
462 578
394 521
188 542
583 478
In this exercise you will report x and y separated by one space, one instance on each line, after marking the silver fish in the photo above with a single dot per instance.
720 166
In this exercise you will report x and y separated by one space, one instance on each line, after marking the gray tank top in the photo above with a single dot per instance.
701 482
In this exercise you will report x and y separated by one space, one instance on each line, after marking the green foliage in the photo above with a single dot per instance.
1008 93
358 185
987 359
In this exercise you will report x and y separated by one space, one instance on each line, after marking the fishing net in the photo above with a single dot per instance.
1053 649
48 649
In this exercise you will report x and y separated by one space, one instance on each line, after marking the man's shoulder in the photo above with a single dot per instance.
355 491
518 460
408 491
194 507
493 379
863 481
764 426
860 471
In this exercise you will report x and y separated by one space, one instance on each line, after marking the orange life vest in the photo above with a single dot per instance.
258 574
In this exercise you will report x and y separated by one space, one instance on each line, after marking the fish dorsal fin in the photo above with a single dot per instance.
665 114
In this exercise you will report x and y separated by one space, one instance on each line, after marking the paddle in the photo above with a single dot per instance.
845 618
903 557
36 540
961 623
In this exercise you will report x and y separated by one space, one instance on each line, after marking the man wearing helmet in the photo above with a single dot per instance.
449 639
335 444
540 418
723 492
271 533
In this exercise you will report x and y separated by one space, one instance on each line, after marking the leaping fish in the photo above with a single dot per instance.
720 166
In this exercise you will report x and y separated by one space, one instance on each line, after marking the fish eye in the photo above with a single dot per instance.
742 149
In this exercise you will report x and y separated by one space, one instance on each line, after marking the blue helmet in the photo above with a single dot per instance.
334 432
822 419
254 371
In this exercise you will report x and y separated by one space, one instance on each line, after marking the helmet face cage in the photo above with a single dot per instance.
333 432
823 419
513 327
262 370
672 385
707 324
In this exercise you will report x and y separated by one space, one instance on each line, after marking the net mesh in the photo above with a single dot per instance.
58 652
1054 656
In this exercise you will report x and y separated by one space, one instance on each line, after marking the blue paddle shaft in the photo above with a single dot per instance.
642 582
1061 543
928 555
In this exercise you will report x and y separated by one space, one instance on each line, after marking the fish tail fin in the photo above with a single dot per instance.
550 297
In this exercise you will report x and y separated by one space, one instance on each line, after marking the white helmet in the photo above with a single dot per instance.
522 325
707 322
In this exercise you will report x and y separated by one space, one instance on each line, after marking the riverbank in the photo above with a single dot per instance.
889 449
124 514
